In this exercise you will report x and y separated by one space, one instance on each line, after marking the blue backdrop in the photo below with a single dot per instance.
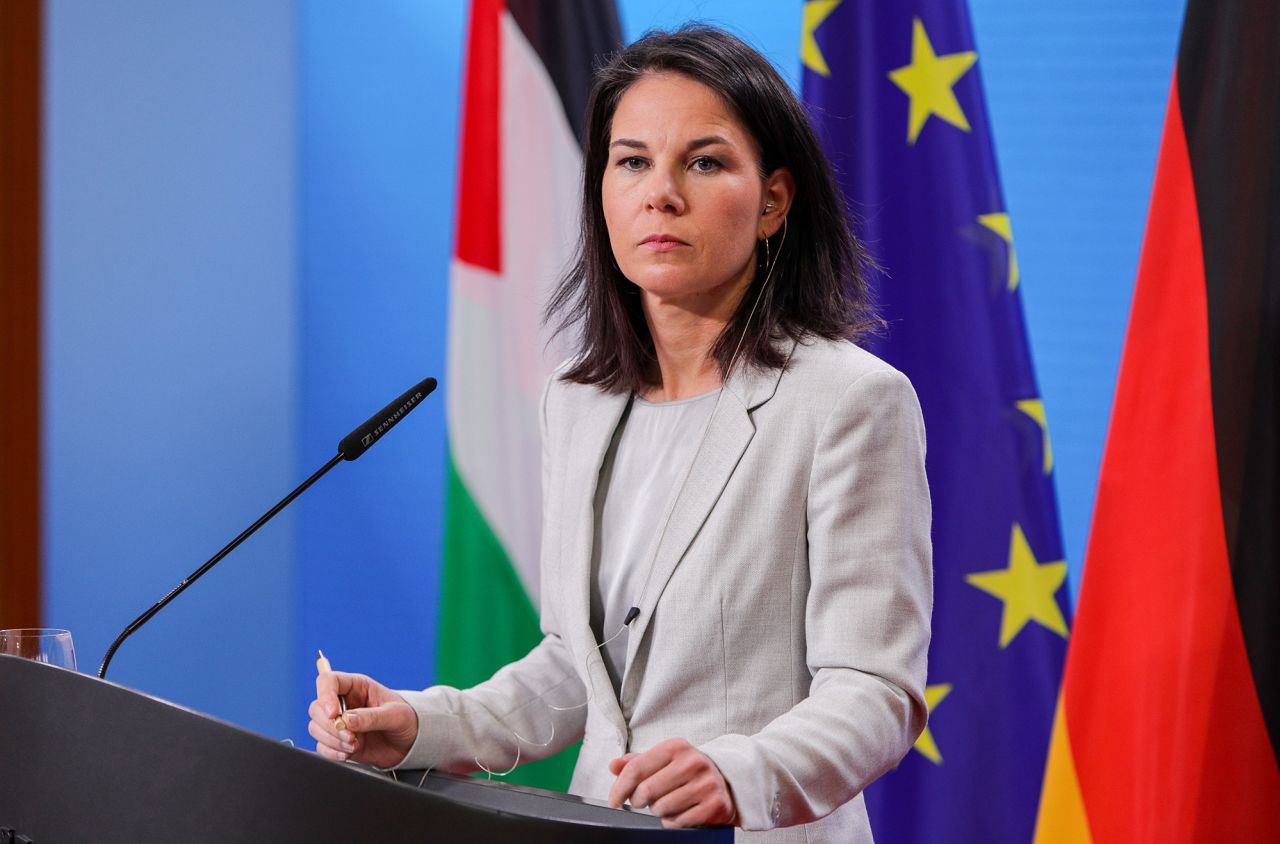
248 219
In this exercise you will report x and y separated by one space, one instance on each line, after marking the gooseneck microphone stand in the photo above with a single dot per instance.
352 446
213 561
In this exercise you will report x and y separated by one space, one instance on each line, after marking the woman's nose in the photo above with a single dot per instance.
664 194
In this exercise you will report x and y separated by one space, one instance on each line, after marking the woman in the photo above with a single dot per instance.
735 559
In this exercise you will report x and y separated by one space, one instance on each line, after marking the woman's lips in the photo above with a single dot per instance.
662 243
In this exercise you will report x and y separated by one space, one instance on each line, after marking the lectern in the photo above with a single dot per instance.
87 760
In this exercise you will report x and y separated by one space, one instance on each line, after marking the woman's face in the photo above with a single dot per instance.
682 194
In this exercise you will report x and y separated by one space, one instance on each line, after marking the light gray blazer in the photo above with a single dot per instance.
785 625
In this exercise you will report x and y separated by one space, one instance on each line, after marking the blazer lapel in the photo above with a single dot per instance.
589 442
728 434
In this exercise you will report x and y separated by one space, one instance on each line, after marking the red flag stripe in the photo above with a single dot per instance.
478 238
1164 721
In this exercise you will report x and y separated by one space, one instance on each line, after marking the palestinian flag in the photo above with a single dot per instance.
1169 720
528 73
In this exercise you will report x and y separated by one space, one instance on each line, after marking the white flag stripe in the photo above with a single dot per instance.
498 357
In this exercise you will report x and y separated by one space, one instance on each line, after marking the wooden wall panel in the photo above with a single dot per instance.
20 440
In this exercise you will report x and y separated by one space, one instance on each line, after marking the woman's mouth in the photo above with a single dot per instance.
662 242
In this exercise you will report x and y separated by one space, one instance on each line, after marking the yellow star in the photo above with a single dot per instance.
999 223
1035 409
815 12
1027 589
928 80
933 695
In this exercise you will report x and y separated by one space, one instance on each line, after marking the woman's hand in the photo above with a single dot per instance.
678 783
380 726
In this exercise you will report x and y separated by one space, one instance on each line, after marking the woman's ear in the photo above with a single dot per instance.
779 190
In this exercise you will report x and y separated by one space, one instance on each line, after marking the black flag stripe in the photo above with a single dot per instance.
571 37
1230 101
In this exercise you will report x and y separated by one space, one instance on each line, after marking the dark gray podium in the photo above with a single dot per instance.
86 760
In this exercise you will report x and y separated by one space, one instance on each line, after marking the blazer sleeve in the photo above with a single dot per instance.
867 617
528 710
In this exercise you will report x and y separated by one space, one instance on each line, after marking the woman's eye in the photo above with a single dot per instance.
705 164
631 163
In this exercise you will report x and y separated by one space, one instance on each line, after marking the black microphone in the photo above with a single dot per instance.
352 446
358 441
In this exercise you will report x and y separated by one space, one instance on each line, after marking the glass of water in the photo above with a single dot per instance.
43 644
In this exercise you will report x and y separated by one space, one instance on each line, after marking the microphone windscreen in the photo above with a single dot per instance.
358 441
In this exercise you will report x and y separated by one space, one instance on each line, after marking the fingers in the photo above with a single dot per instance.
680 771
331 684
636 770
680 800
391 728
332 755
678 782
319 713
340 744
330 745
714 812
704 802
393 717
380 728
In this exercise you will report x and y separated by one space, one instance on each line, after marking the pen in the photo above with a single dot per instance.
322 666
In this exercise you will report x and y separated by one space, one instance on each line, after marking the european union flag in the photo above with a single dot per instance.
894 88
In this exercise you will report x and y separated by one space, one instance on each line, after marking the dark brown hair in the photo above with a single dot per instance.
819 284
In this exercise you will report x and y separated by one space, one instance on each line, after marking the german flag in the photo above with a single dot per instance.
1169 717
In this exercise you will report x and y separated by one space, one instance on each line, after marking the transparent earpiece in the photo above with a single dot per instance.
764 288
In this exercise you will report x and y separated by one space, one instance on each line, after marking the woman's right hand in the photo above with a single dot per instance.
380 725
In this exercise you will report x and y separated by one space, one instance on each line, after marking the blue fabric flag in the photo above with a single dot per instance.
894 89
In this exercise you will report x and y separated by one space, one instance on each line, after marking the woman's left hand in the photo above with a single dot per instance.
678 783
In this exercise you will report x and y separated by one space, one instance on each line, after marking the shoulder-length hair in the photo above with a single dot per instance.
818 285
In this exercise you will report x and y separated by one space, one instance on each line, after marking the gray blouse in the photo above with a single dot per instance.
647 460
